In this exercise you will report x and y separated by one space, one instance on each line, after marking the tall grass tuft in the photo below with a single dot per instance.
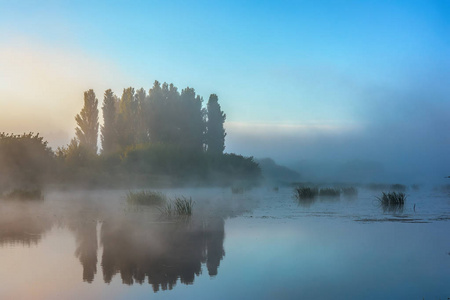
306 193
181 206
329 192
146 198
392 198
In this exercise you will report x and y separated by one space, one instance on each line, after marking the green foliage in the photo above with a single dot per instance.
109 127
25 160
146 198
76 163
215 132
87 121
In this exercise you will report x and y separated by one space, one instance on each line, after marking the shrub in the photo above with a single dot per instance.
146 198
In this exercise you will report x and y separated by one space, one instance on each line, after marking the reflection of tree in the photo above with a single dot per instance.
161 253
86 252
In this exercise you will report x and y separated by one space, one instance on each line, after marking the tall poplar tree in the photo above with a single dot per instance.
215 132
87 121
109 128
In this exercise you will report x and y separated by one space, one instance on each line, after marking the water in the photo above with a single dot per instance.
261 244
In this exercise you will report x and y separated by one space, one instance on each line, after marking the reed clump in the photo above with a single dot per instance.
237 189
329 192
24 194
392 199
180 206
146 198
349 191
306 192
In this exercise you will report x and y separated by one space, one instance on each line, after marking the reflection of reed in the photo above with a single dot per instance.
161 253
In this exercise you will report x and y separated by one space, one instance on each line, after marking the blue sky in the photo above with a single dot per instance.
310 71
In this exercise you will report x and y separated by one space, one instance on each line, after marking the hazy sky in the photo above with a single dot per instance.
298 80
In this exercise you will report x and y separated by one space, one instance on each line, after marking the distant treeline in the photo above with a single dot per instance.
163 137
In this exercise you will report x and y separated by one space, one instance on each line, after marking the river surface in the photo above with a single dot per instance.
261 244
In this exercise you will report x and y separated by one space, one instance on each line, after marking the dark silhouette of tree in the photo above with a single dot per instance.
215 132
141 110
126 119
109 127
25 161
87 121
192 122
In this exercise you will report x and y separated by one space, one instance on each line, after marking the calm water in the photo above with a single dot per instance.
262 244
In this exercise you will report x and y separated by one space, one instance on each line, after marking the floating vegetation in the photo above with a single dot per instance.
24 194
237 189
349 191
181 206
329 192
306 192
146 198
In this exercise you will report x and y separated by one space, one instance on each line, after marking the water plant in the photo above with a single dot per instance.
237 189
398 187
24 194
180 206
392 198
306 192
330 192
146 198
349 191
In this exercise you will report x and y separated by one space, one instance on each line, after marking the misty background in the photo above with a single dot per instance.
333 90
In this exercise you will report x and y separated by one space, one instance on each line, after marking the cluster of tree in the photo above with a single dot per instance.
163 116
144 137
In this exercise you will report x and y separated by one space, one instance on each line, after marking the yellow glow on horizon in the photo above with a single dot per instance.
41 88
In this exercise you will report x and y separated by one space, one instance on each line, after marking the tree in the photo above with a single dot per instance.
141 110
192 121
126 119
215 133
87 121
109 128
25 160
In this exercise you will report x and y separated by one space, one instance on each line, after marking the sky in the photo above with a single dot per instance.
298 80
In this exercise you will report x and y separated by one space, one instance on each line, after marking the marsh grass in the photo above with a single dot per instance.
392 198
302 193
392 201
179 207
349 191
329 192
237 189
398 187
24 194
146 198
